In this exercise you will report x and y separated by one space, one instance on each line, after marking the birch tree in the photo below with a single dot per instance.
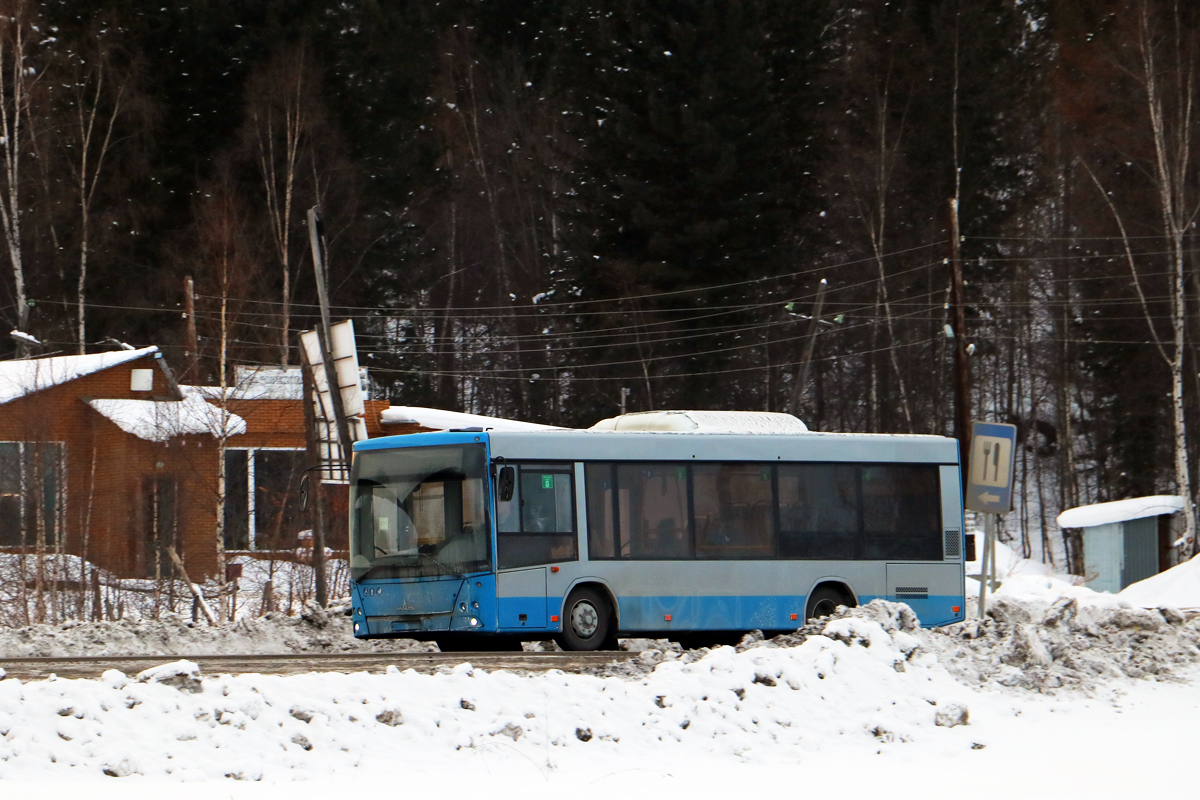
282 109
19 76
227 266
100 94
1167 75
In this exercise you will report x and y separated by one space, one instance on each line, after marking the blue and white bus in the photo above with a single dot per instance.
480 539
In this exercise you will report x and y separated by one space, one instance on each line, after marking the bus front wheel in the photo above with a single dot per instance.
587 621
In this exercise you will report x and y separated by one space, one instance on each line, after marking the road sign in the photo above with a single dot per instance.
989 483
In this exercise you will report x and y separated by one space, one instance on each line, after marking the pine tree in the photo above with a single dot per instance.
683 181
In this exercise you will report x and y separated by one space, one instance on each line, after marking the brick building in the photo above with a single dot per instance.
106 456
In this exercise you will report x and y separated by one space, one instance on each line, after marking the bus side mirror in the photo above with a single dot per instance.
304 493
970 554
506 482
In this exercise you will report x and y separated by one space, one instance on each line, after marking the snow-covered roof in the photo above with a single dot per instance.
158 421
1178 587
438 419
1120 511
248 392
257 383
704 421
19 378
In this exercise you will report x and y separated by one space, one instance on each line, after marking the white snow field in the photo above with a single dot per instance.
1060 700
1059 692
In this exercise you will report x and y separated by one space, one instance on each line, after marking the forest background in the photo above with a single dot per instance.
554 211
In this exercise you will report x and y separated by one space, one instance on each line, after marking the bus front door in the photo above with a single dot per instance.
521 599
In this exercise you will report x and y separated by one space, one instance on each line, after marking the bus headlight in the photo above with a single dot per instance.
474 622
356 627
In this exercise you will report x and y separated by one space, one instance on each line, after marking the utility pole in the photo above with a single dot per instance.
814 328
313 447
962 366
316 240
193 342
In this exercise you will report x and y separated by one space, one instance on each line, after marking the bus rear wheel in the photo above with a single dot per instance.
823 602
587 622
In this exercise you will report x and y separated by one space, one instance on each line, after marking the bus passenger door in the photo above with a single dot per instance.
521 599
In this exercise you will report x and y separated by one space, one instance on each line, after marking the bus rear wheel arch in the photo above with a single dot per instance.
589 621
825 598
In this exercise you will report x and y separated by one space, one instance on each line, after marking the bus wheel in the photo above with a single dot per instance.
823 602
586 621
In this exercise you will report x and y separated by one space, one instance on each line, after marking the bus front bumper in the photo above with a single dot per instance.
415 609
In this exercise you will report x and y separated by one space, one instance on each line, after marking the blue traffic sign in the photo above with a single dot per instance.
990 467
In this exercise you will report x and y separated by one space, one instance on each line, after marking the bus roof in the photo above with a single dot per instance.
596 445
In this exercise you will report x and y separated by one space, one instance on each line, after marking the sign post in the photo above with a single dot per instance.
989 490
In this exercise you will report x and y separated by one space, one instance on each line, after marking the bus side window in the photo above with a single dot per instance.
601 503
658 513
902 512
733 511
818 511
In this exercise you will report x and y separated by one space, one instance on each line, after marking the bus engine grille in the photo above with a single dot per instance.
953 546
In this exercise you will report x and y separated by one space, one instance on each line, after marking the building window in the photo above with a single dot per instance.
141 380
32 485
262 498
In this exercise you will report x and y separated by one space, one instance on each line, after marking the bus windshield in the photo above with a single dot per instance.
419 512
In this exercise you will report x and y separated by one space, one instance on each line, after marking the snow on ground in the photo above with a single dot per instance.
316 630
1178 587
296 625
1058 692
1028 580
135 599
1078 702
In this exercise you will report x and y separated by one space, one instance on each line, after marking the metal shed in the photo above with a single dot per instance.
1123 540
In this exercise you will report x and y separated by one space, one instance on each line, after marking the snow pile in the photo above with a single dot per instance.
865 681
160 420
1178 587
1026 580
19 378
1045 646
862 682
1023 644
